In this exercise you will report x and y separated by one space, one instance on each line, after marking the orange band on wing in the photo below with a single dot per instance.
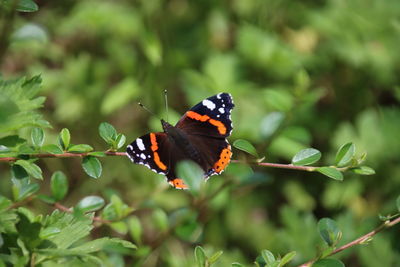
224 159
178 183
203 118
159 162
197 116
221 127
154 148
153 141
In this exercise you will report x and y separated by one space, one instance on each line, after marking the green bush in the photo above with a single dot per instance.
315 87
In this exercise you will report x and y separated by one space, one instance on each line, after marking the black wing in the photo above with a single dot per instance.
211 117
156 152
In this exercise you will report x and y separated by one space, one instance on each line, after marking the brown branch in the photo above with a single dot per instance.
278 165
359 240
63 155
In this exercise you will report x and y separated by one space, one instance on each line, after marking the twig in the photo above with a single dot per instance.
359 240
63 155
278 165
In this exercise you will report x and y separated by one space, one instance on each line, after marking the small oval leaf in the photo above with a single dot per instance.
27 190
59 185
92 166
31 168
90 203
306 157
191 173
37 137
245 146
268 257
82 148
107 132
53 149
288 257
331 173
345 154
200 256
363 170
329 231
64 138
120 141
328 263
214 258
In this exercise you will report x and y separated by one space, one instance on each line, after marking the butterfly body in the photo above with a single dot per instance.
200 136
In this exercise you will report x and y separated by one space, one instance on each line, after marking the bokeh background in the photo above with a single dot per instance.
302 74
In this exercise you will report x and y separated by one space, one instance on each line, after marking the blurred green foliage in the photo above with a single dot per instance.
302 74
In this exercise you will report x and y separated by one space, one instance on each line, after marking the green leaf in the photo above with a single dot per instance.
271 123
200 256
328 263
72 229
27 6
29 32
287 258
214 258
4 203
120 95
268 257
82 148
27 190
160 219
47 199
107 132
92 166
246 146
48 232
398 203
97 154
135 229
120 141
191 173
18 104
102 244
59 185
31 168
18 172
329 231
37 136
331 173
306 157
345 154
90 203
363 170
64 138
237 264
53 149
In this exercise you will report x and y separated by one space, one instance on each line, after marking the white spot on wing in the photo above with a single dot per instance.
221 110
130 147
219 96
209 104
139 143
143 156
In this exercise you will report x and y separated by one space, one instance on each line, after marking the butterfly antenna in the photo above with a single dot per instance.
145 108
166 101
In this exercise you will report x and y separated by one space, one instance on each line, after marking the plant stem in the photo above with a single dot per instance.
63 155
278 165
359 240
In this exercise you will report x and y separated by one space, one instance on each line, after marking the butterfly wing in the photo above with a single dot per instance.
154 151
207 125
211 117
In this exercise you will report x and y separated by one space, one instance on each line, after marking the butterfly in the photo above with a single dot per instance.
200 135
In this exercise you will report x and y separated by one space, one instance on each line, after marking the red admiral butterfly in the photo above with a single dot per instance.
200 135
